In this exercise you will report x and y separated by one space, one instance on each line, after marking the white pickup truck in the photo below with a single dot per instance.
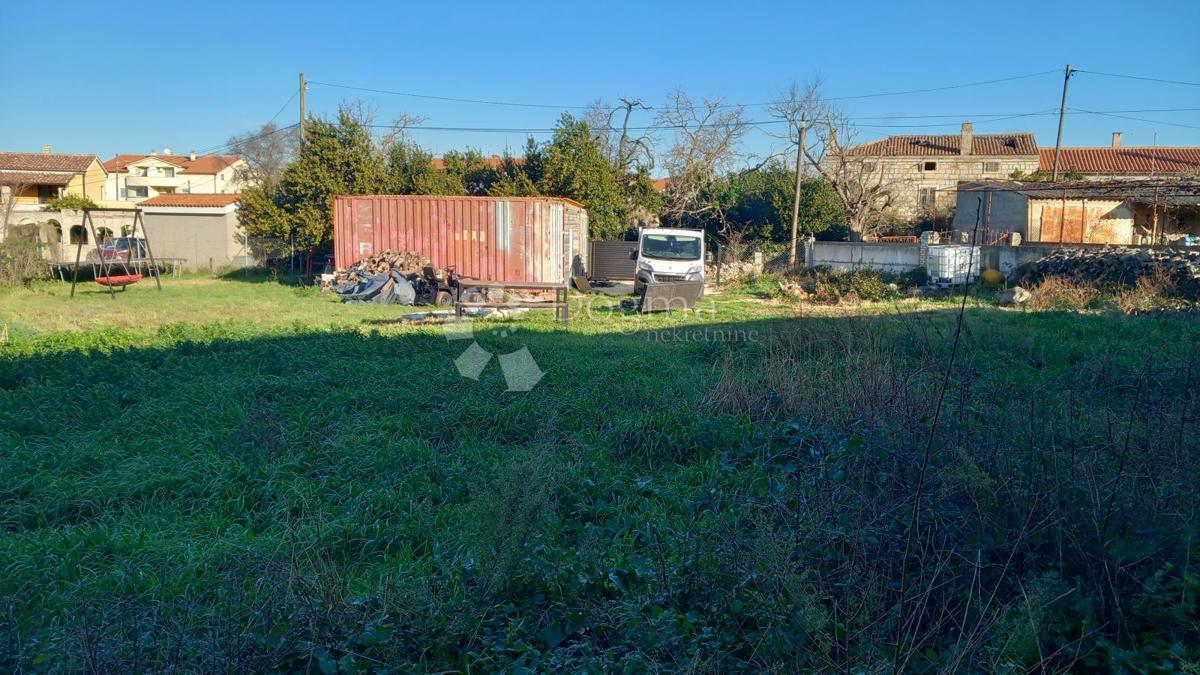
668 254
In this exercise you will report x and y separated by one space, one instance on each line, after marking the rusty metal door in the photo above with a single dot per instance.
1052 223
1073 225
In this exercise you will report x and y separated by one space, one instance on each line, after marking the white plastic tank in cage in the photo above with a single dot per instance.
953 264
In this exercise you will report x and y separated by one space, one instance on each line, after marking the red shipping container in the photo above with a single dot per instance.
537 239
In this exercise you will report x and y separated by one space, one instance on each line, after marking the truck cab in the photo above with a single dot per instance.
668 254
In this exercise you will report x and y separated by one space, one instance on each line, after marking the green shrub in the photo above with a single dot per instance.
20 260
72 202
831 286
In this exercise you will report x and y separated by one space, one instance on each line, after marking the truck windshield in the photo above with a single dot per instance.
671 247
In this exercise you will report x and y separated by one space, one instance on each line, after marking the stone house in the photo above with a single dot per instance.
922 172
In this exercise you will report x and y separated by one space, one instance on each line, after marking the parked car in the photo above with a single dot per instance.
118 249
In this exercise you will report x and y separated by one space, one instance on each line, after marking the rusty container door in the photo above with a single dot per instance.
1073 224
493 239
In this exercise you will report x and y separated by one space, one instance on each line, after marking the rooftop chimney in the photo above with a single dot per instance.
968 139
46 149
1116 139
153 152
166 151
192 155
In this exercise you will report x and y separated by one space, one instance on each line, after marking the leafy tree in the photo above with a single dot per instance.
512 180
411 172
758 203
74 202
575 166
337 158
468 172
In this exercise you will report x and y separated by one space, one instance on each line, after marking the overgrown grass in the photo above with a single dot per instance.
247 476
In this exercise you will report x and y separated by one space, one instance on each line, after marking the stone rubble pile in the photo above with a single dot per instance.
1118 265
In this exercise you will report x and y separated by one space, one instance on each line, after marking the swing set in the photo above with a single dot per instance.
130 260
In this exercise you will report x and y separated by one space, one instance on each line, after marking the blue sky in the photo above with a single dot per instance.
106 78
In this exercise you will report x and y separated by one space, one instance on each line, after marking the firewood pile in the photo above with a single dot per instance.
409 264
1119 266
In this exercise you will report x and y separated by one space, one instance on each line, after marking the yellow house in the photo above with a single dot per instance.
32 178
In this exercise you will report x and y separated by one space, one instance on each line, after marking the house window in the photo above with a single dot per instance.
141 171
991 167
927 197
78 235
930 166
104 235
46 193
168 172
140 192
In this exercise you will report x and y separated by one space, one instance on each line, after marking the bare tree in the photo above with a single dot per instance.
707 135
857 178
267 152
10 189
627 149
399 133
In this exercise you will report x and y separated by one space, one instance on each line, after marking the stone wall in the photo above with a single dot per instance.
905 178
851 255
55 229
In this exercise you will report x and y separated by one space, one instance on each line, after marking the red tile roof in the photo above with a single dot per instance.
191 200
947 144
33 178
45 161
203 164
1123 160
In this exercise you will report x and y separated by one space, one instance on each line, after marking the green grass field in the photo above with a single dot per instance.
238 474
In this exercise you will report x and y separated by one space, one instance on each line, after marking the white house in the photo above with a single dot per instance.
134 178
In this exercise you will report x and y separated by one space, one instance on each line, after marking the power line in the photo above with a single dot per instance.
1139 77
285 105
252 137
677 127
456 99
945 88
215 149
1136 119
452 99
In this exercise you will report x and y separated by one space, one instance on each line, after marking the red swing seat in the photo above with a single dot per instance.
120 280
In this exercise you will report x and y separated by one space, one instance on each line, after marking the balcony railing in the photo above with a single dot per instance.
155 181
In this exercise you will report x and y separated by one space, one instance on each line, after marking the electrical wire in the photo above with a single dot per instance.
677 127
452 99
1139 77
285 105
456 99
1135 119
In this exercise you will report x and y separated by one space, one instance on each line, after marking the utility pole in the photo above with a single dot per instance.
302 88
800 133
1062 111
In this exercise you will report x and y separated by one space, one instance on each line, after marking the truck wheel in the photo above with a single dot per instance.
443 299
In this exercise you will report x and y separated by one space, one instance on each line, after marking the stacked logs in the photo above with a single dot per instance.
409 264
1118 266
